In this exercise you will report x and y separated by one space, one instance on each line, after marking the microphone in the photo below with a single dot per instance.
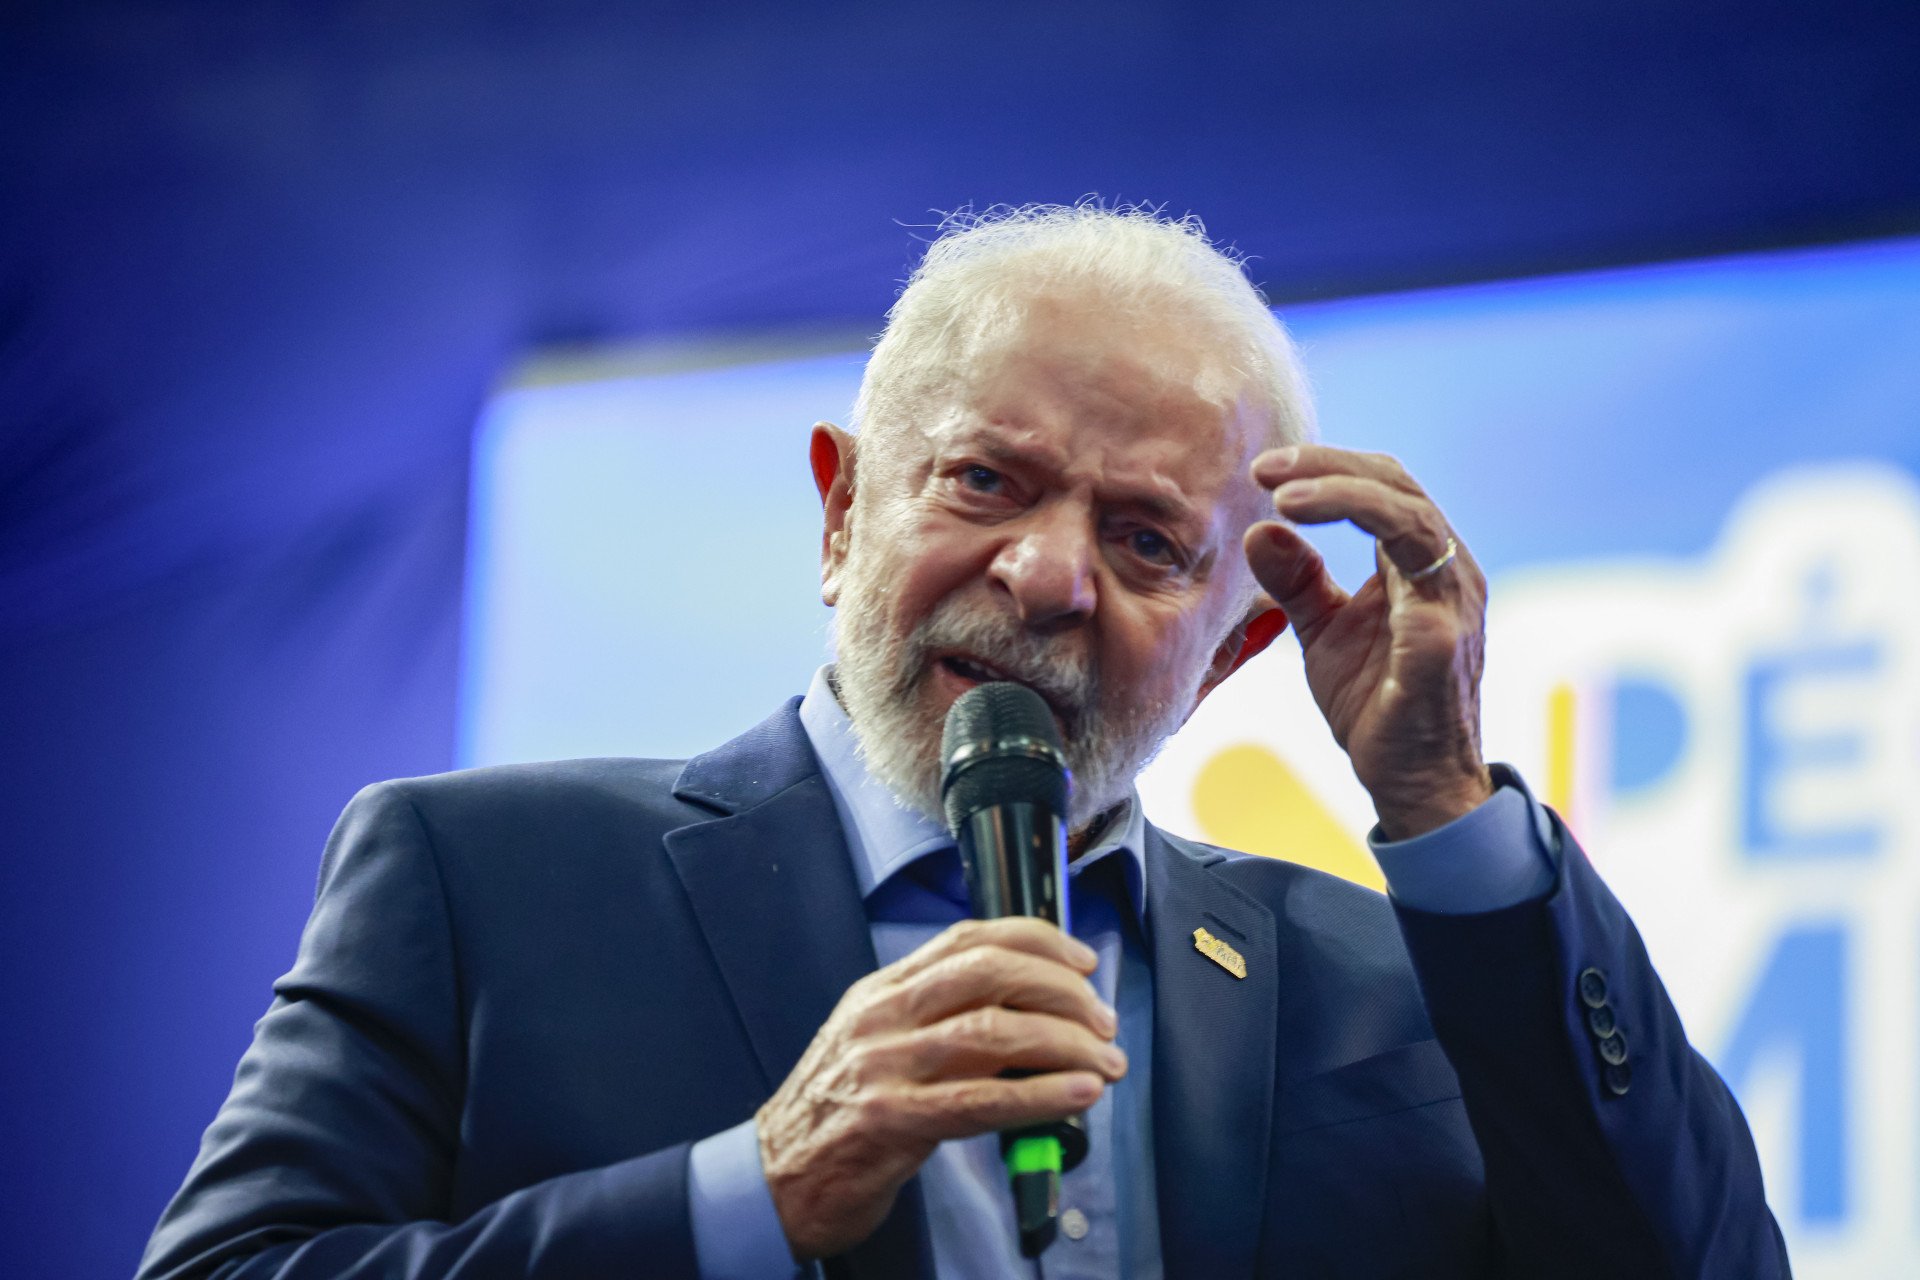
1004 789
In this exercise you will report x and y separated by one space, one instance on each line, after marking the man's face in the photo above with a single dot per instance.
1068 516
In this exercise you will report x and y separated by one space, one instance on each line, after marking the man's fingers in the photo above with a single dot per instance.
1292 571
989 1041
1014 933
978 977
1411 529
966 1108
1307 461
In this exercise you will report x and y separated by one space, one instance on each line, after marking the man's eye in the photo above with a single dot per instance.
1151 546
981 479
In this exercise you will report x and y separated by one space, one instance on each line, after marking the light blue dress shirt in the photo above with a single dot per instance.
1493 857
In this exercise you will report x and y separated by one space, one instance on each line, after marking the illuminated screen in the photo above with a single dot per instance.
1694 489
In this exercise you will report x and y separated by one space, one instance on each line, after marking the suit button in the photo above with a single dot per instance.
1074 1225
1601 1021
1613 1050
1593 988
1618 1077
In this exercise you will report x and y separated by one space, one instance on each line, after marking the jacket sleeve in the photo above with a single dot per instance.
1611 1147
334 1154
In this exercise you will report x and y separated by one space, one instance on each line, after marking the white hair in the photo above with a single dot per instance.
981 266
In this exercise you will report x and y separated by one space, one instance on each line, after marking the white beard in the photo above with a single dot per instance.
1110 734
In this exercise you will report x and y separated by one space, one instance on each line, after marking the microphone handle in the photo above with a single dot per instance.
1015 859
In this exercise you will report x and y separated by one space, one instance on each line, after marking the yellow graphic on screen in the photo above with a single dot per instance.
1246 798
1560 750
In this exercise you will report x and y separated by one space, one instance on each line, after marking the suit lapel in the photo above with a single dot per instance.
1213 1063
772 888
775 896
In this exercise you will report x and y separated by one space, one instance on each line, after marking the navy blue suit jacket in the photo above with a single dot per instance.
525 992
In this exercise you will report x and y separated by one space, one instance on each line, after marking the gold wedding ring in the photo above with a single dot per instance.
1446 558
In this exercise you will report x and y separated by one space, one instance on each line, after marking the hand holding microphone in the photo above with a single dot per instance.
915 1053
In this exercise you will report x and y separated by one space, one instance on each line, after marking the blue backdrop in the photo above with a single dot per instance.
261 265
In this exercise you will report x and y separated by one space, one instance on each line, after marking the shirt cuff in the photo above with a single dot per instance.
1494 856
736 1229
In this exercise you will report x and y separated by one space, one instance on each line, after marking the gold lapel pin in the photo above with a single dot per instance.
1220 953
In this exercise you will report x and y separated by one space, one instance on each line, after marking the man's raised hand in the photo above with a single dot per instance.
913 1056
1395 667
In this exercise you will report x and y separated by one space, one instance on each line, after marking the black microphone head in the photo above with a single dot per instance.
1001 746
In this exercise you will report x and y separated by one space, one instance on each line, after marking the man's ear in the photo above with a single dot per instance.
830 450
1260 627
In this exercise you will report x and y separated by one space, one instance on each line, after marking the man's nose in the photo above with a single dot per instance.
1047 568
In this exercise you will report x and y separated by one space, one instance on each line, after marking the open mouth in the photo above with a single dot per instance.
968 671
971 670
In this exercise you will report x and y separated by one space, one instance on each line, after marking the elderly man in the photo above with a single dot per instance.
727 1018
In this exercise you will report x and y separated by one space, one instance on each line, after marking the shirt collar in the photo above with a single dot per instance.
884 836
